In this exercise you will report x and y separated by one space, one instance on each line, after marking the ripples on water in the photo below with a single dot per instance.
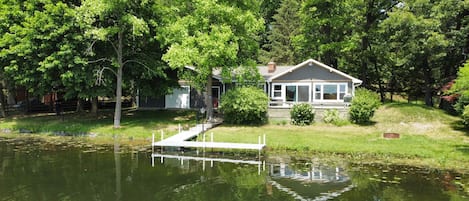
32 169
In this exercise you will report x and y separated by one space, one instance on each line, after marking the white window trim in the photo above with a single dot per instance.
283 89
322 91
281 92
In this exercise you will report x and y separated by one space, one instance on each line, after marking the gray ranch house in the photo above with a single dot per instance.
308 82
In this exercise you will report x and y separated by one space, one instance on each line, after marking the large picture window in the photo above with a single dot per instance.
329 91
292 92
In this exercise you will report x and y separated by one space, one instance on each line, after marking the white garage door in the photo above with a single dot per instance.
179 99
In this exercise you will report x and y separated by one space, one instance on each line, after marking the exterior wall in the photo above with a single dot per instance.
284 113
312 72
310 75
150 102
196 98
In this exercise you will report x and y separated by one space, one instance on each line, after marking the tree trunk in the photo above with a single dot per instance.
428 83
208 98
118 107
380 82
94 106
79 108
2 101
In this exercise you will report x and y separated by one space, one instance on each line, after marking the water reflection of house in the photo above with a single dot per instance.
319 174
316 182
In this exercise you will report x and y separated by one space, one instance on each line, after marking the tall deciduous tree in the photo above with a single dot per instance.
122 34
43 48
209 34
416 39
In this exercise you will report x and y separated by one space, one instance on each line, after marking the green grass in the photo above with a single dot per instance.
134 124
429 137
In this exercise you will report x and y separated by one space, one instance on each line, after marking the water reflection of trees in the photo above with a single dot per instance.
67 173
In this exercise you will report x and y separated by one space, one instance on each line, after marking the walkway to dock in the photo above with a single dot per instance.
181 140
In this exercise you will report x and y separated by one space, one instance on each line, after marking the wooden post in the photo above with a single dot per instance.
162 137
152 143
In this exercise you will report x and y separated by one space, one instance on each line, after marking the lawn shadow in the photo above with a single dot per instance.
366 124
459 126
462 148
410 105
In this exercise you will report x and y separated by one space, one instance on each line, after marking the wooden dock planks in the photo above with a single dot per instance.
180 140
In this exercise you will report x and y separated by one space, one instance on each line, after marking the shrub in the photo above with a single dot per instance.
332 116
244 105
461 103
465 116
363 107
302 114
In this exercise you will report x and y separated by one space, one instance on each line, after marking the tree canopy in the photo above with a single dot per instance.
89 48
210 34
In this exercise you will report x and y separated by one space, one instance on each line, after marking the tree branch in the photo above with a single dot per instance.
90 48
138 62
99 75
99 60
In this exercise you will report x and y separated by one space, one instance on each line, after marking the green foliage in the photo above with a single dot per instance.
461 84
465 116
244 105
332 116
302 114
461 103
280 37
363 107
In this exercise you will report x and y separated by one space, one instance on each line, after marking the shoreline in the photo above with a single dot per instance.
130 144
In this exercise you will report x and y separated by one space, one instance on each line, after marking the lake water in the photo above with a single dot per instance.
36 170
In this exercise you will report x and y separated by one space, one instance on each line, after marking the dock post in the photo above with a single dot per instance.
152 143
179 128
162 137
203 138
264 139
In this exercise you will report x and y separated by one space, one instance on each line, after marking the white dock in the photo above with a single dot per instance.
180 140
223 160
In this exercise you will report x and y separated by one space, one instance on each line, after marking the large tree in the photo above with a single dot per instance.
42 47
122 36
325 27
210 34
416 40
281 35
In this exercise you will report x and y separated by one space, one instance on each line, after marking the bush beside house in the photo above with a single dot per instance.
302 114
363 107
244 105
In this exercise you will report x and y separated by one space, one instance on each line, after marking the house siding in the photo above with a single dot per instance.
312 72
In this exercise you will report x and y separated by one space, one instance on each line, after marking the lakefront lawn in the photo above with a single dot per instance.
428 137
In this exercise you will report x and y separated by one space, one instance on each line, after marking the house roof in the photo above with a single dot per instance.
264 71
283 71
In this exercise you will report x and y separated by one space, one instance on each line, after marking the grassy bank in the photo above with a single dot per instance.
429 137
136 125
